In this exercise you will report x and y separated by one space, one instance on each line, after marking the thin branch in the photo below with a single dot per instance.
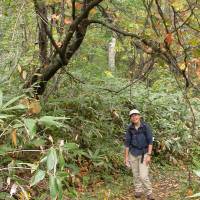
184 49
50 36
162 16
184 23
19 14
132 81
118 30
75 24
8 168
16 60
189 104
23 150
74 78
192 11
148 9
73 10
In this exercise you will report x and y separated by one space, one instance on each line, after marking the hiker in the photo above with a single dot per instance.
138 149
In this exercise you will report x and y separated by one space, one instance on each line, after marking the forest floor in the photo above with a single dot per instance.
169 183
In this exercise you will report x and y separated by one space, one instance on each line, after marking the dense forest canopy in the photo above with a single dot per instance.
70 72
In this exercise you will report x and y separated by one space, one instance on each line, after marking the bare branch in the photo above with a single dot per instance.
149 15
73 9
76 22
143 75
37 8
162 16
117 30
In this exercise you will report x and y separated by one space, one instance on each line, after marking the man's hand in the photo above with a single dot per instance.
126 159
126 162
147 159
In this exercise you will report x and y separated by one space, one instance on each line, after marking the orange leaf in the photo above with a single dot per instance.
169 38
14 137
189 192
67 21
78 5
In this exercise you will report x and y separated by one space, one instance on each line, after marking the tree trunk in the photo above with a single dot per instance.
42 36
111 54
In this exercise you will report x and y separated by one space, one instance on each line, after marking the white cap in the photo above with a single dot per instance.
134 111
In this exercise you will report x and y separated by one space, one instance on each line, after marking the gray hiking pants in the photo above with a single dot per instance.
140 174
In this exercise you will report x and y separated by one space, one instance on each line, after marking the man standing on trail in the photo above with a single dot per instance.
138 149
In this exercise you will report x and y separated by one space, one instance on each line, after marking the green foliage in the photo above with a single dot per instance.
40 174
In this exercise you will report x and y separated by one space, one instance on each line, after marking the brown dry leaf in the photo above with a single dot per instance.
198 71
34 106
169 38
14 137
197 63
25 101
115 114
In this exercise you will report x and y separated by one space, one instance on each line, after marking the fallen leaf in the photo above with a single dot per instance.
189 192
14 137
169 38
34 107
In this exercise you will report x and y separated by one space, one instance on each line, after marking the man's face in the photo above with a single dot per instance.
135 118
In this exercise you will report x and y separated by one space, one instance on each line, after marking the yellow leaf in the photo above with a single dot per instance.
93 11
182 66
24 195
108 74
24 75
14 137
19 68
177 4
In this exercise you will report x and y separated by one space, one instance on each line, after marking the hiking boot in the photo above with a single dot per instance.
138 194
150 197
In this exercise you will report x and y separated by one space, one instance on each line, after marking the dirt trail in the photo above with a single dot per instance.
166 186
